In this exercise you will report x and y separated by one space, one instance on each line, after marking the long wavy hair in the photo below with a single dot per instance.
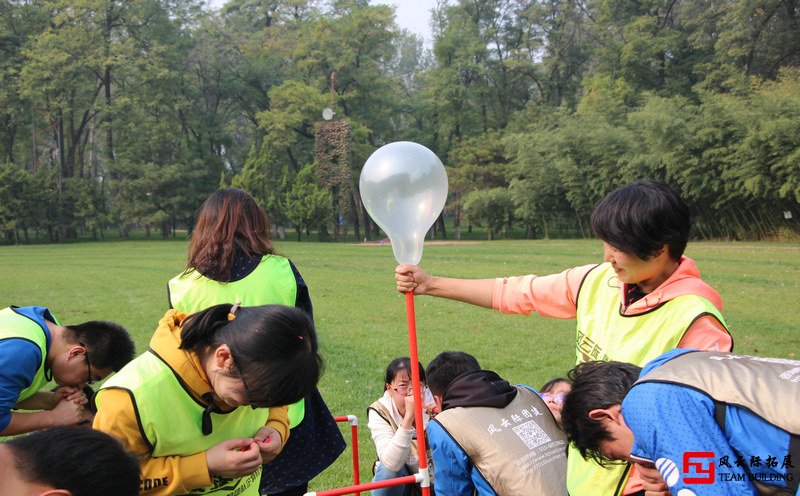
230 223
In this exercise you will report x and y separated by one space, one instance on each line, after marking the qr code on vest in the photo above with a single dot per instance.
531 434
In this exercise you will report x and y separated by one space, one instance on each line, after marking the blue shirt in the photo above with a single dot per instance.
454 474
669 420
19 361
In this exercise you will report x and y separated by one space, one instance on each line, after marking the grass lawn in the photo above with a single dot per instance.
361 318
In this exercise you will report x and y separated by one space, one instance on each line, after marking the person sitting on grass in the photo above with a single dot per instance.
35 349
63 461
711 423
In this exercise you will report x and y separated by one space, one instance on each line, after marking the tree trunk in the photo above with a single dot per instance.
354 208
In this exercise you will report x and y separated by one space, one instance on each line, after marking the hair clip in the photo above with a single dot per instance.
232 313
300 337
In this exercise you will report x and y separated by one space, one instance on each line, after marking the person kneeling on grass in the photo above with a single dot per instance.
204 407
711 423
491 438
35 349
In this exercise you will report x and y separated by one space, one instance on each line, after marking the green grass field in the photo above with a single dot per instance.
361 318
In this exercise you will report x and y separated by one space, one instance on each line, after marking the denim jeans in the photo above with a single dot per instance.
382 473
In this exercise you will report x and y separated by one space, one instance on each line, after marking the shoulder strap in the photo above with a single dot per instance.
792 472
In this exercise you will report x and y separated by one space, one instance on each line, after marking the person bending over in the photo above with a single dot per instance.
198 407
489 437
710 423
35 349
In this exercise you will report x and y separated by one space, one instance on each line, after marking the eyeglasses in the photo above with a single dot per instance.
427 396
89 379
558 399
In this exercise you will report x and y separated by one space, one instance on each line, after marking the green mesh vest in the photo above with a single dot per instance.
604 333
14 325
271 283
170 419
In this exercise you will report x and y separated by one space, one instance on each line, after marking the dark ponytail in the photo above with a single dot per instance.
274 349
199 329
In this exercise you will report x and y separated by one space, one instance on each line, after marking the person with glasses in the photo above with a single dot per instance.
391 423
35 348
196 407
553 393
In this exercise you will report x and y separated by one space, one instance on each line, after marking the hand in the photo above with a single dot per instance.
67 413
408 418
71 393
233 458
269 442
411 278
654 485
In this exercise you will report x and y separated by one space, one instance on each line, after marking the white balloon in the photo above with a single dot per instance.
404 186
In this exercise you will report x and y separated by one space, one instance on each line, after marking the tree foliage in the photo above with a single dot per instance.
121 114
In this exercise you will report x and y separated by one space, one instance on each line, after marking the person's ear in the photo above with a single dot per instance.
611 414
663 251
438 407
75 351
223 357
56 492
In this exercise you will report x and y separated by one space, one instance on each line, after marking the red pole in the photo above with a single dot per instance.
356 476
415 380
399 481
353 420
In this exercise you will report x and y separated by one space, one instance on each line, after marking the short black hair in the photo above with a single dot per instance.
400 364
446 366
274 348
108 344
594 385
641 217
85 462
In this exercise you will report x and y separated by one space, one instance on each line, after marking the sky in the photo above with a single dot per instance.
413 15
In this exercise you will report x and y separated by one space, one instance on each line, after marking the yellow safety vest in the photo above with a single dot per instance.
272 282
604 333
170 420
14 325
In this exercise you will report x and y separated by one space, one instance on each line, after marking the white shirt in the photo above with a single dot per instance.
393 448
